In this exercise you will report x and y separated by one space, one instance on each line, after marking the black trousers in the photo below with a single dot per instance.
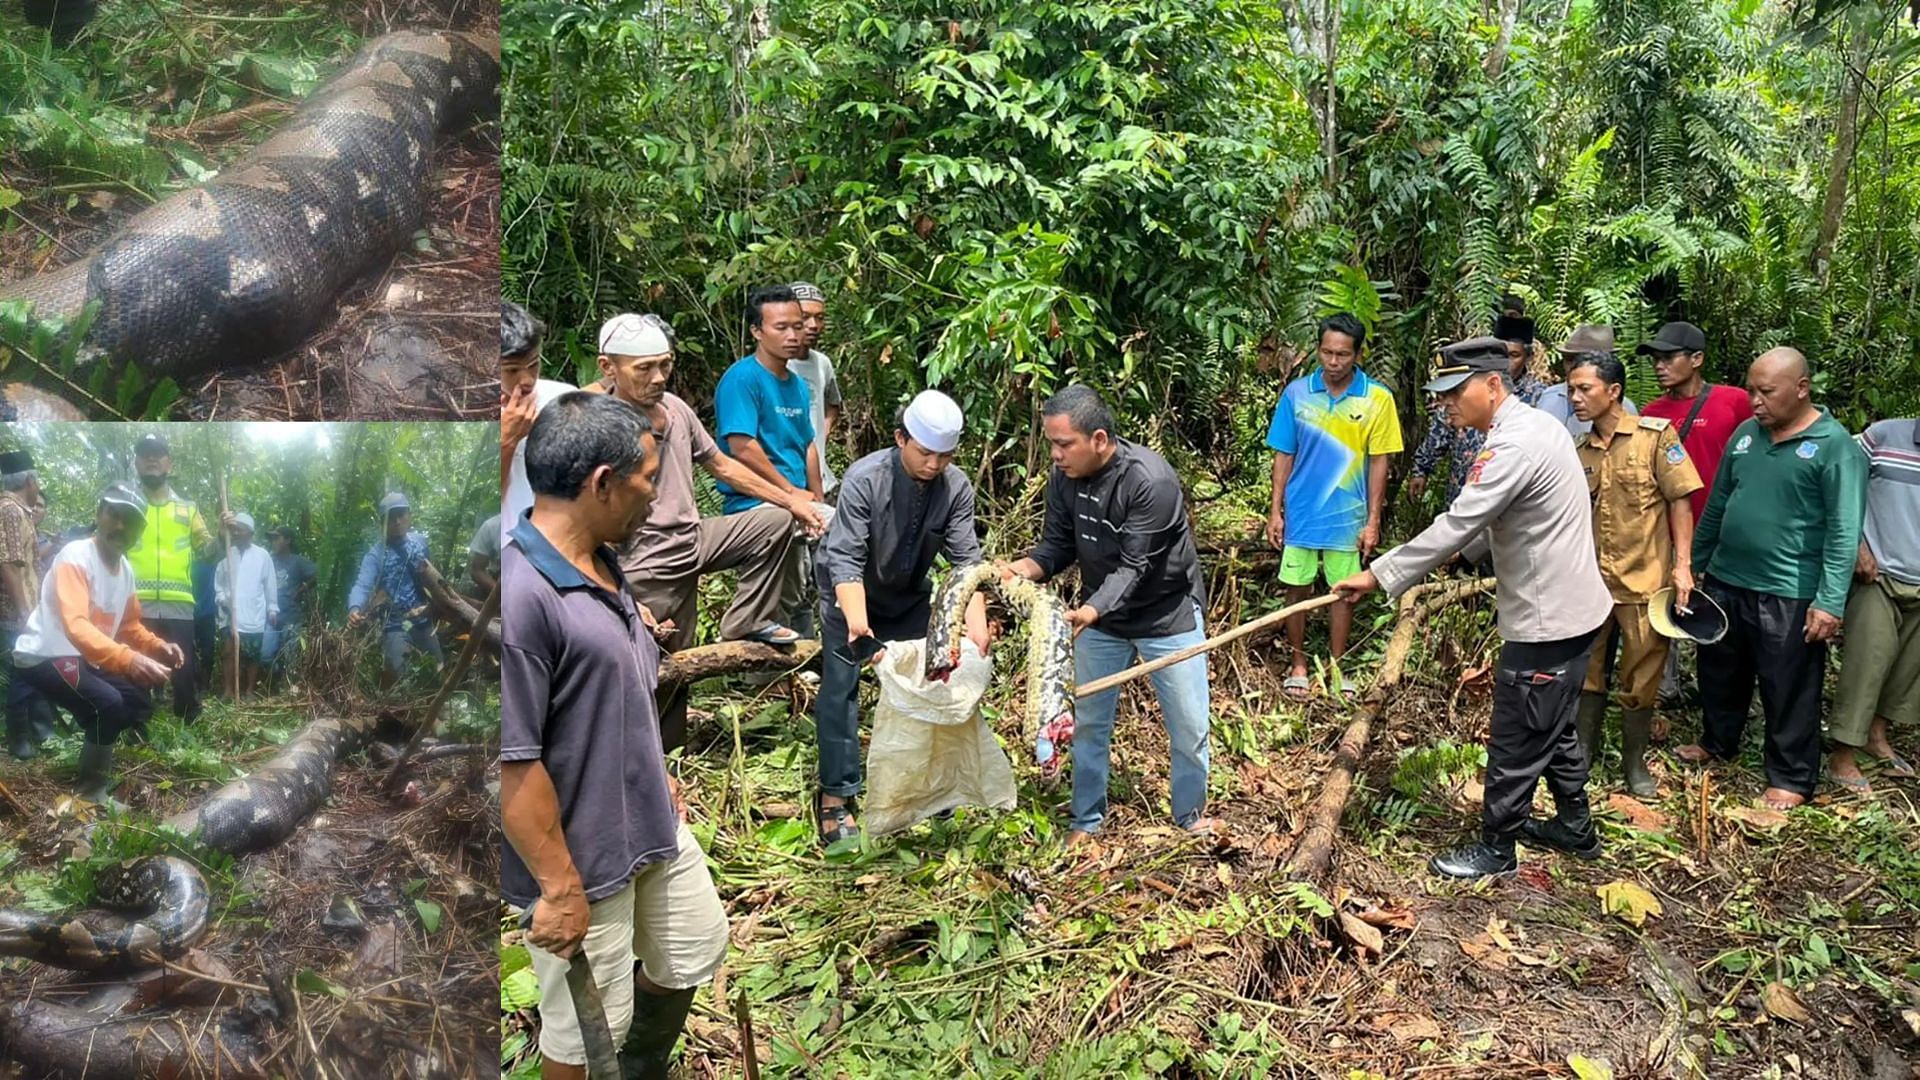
186 687
1535 695
103 705
1766 643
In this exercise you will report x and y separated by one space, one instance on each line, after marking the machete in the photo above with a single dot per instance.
603 1058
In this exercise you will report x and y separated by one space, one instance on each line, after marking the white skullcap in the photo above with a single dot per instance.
631 335
934 421
244 518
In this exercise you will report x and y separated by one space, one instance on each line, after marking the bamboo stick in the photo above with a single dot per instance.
1214 642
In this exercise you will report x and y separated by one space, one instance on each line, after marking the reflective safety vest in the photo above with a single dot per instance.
163 559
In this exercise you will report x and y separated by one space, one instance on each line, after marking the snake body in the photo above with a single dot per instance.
264 807
1049 649
153 907
246 265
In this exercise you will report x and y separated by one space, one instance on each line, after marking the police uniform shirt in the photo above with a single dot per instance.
1631 479
1525 499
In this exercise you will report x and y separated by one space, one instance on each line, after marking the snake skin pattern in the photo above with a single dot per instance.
152 909
264 807
245 266
1049 649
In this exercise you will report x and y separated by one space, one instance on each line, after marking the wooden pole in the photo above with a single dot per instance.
233 587
1235 634
460 665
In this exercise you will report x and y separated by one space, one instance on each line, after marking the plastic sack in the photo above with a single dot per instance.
931 750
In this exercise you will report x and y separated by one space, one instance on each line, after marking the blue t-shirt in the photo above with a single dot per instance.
775 412
1331 439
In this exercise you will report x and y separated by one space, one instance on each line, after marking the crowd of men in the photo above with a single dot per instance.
99 624
1730 518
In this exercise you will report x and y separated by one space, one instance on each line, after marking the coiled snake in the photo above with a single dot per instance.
1049 649
152 907
246 265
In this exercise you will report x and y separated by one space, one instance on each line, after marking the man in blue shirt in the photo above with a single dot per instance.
763 413
1333 436
396 572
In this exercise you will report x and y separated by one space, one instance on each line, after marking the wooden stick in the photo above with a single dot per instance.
474 637
18 808
1191 651
750 1055
233 586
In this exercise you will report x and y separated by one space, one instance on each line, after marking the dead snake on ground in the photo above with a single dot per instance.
246 265
1049 649
152 907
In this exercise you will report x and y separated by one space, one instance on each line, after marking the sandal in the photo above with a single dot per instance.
833 823
1298 688
1859 785
1896 766
774 634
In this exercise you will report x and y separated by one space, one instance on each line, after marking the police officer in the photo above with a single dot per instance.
1524 499
1641 481
162 558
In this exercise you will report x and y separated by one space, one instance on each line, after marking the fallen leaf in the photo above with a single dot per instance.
1410 1027
1272 847
1225 873
1362 934
1760 817
1482 949
1638 814
1497 930
1779 1001
1912 1017
1587 1068
1629 901
1398 918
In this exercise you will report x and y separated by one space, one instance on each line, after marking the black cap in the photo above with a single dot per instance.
14 461
126 496
1675 337
1514 328
152 444
1462 360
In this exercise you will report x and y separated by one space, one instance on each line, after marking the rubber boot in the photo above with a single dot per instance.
96 776
1588 723
41 718
1636 730
657 1020
1570 830
20 740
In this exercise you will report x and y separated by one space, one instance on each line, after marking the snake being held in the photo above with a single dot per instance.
1049 649
152 908
246 265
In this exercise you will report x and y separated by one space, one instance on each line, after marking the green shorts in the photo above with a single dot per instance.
1299 565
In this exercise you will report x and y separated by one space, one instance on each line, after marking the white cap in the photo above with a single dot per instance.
934 421
631 335
244 518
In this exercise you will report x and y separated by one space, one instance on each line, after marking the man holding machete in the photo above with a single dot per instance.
1524 498
597 843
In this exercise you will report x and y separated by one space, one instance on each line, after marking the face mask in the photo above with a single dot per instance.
154 482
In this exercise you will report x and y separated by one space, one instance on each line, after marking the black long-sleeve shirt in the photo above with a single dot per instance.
1126 526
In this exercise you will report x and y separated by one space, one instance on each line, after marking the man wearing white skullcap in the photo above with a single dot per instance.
665 557
245 593
523 393
897 509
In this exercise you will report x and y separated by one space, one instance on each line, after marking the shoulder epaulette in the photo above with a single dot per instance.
1655 423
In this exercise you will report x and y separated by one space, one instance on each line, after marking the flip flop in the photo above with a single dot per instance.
1896 766
774 634
1297 688
1859 785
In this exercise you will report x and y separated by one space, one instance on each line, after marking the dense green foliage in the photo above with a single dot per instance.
999 197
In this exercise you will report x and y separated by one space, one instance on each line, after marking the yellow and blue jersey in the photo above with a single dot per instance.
1330 439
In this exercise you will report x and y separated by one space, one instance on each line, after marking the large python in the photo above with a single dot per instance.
246 265
1049 649
151 908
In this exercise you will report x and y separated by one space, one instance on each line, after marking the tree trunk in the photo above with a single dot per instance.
1497 57
1846 138
1329 132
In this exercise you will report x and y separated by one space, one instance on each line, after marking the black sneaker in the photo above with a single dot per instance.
1553 833
1476 860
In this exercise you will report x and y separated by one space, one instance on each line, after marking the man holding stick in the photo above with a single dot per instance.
1524 498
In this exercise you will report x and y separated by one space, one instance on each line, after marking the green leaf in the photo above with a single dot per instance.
429 914
309 981
520 990
1590 1068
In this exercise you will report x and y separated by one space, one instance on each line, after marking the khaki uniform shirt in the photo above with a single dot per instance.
1525 501
1632 478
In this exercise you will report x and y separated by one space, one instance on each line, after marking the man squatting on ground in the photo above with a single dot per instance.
596 830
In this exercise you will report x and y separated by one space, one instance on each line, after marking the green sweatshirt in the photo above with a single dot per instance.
1784 518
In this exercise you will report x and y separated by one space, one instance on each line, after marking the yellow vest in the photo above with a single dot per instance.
163 559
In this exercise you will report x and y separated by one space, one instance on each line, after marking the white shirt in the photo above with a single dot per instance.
248 593
824 386
106 592
518 498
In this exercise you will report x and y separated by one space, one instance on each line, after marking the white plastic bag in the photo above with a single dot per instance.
931 750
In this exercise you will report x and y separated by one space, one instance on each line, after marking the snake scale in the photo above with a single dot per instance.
1049 649
243 267
150 907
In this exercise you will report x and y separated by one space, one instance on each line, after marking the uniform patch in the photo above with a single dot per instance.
1808 449
1745 441
1675 455
1479 462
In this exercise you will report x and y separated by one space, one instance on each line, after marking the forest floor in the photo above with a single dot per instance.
1753 944
135 106
406 989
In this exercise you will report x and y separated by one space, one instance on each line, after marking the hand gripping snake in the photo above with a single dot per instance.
1049 650
246 265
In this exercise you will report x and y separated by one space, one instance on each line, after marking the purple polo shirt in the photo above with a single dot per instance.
577 675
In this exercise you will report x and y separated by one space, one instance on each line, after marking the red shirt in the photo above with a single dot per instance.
1727 408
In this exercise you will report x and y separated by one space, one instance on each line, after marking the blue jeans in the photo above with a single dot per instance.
1184 706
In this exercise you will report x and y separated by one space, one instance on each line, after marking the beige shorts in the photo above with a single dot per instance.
668 917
